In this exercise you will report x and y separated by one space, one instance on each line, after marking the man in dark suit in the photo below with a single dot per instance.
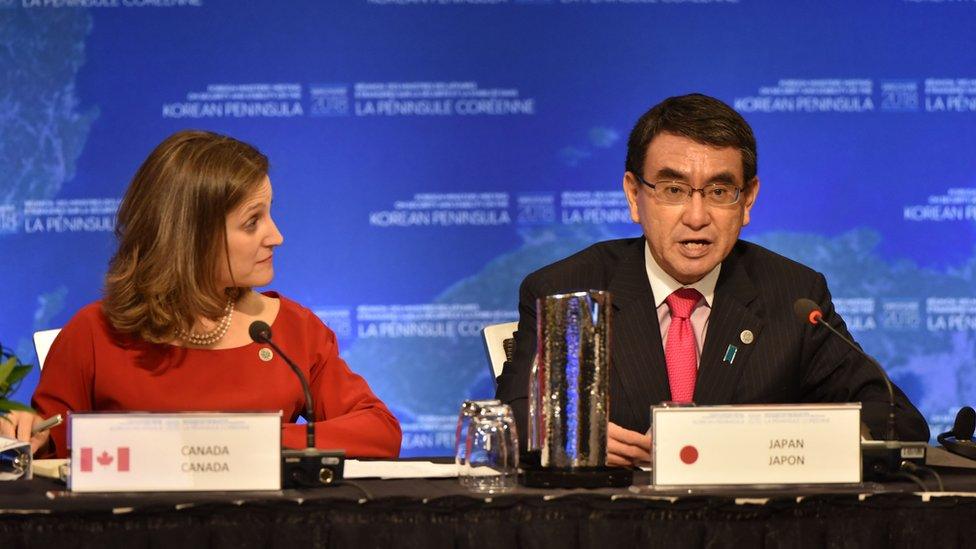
700 315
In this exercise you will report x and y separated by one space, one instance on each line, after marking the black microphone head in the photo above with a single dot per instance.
804 309
965 424
259 331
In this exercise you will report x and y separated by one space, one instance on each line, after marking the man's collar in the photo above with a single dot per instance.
662 285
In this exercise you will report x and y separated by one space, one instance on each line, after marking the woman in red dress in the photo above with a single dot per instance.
171 334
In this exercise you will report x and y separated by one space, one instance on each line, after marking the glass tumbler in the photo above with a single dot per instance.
491 449
469 409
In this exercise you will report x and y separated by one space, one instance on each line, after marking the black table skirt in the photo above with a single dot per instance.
438 513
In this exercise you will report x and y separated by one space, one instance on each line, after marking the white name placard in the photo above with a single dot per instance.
131 452
756 444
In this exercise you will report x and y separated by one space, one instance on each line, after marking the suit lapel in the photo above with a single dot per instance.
734 311
638 352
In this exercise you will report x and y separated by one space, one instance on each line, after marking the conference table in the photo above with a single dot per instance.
441 513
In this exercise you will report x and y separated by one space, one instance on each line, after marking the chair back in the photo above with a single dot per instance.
495 336
42 344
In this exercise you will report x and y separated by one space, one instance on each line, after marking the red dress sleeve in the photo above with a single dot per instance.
350 416
68 374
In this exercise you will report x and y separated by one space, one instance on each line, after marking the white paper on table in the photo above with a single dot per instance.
398 469
354 469
49 468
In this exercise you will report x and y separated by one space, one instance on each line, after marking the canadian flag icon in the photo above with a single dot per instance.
105 459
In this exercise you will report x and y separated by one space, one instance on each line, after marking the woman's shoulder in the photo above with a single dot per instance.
299 324
290 311
89 322
91 315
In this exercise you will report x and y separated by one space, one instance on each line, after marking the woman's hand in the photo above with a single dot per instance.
18 425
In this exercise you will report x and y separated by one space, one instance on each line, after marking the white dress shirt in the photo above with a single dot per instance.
663 285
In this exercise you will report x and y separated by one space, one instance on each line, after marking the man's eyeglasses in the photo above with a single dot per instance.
676 192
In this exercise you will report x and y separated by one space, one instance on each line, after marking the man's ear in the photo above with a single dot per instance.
750 192
631 188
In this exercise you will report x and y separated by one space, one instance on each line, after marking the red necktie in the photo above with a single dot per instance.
681 350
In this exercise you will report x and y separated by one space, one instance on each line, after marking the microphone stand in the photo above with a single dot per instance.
890 432
309 467
883 459
309 408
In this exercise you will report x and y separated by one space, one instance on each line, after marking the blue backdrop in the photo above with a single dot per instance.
427 154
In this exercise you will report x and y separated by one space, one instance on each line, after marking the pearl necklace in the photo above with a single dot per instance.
213 336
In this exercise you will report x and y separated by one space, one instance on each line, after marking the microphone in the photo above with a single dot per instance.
806 310
311 466
260 332
960 439
965 424
880 459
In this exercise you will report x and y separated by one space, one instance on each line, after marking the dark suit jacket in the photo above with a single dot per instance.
787 362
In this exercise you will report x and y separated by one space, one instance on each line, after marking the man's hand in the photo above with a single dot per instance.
18 425
627 448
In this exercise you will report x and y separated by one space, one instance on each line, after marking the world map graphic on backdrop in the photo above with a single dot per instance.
428 155
42 133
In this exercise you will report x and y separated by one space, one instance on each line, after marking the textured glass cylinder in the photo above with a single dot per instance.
569 385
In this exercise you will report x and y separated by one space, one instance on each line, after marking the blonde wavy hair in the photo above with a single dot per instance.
171 230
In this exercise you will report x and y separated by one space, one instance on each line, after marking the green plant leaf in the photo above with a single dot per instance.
9 406
6 368
20 371
11 373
